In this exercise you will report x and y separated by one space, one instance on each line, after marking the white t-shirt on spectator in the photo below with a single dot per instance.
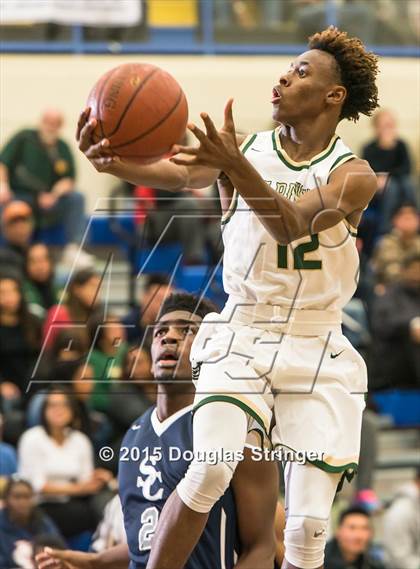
110 530
41 459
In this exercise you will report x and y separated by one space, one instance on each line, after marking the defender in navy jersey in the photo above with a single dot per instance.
155 454
157 450
153 458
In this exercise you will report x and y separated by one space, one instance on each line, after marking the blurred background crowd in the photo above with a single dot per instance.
79 294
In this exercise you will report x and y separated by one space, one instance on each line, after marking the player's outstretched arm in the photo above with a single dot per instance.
162 174
256 508
116 557
347 193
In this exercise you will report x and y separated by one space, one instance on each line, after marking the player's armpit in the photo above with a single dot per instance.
349 190
256 507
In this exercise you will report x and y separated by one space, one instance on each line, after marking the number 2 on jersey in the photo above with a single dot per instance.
299 261
149 519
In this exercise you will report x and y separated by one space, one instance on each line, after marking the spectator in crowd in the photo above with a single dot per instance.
396 331
389 157
19 339
20 522
401 528
37 166
68 348
81 300
350 548
39 288
110 531
58 459
393 248
106 356
156 288
136 391
175 217
357 18
8 458
17 229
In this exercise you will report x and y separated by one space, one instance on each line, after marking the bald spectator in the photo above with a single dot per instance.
37 166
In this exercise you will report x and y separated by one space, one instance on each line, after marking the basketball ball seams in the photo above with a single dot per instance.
141 109
155 126
100 95
133 96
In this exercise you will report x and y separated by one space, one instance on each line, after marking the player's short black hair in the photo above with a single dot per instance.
356 67
189 302
353 510
156 279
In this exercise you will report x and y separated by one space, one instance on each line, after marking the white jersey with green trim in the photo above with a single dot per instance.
316 272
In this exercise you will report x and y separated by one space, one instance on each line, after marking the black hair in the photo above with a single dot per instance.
188 302
31 325
27 252
156 279
13 481
96 328
357 69
353 510
75 421
399 207
78 311
67 339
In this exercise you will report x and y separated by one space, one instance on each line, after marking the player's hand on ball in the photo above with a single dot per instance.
217 149
98 154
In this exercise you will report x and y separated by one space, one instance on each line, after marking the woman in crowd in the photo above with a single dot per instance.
20 334
58 459
20 522
81 300
39 288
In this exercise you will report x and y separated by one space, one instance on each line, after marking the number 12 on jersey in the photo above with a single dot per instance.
299 261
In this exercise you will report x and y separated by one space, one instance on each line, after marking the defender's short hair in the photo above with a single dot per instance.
188 302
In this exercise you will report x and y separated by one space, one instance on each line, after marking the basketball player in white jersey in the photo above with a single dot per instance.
290 265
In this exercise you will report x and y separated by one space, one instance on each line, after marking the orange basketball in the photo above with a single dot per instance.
141 109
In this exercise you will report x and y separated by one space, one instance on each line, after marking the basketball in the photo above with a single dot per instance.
141 109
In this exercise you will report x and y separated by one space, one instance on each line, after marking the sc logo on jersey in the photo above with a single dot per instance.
150 476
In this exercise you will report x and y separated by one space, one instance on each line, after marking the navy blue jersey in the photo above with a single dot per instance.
154 457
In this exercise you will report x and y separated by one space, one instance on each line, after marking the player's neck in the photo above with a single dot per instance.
304 141
169 402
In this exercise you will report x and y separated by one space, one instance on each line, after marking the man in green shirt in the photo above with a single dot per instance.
38 167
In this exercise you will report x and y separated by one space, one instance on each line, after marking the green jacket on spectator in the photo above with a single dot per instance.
34 167
36 301
106 369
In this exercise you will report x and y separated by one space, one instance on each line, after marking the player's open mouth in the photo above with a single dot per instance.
275 98
167 359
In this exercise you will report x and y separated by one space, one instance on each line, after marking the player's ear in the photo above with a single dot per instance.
337 95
